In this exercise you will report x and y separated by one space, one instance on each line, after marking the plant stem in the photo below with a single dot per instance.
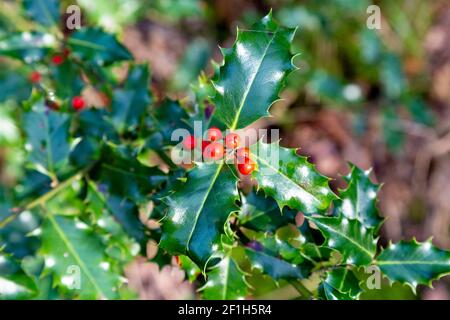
300 287
42 199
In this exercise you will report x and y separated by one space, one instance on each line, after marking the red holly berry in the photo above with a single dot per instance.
78 103
214 134
232 141
205 144
35 77
242 154
214 151
57 60
247 167
189 142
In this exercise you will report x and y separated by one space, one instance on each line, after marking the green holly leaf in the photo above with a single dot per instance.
76 258
340 284
47 138
124 211
97 46
85 152
290 179
253 73
190 268
96 123
67 79
32 185
13 84
315 253
263 213
165 119
354 241
226 281
15 284
276 268
413 262
131 102
27 46
359 200
45 12
125 177
198 211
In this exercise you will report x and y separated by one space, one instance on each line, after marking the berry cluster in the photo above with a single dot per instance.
35 77
213 148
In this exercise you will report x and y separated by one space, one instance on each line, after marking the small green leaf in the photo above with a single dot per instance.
276 268
47 137
27 46
340 284
198 211
97 46
15 284
226 281
131 102
359 200
290 179
45 12
414 262
72 249
354 241
253 73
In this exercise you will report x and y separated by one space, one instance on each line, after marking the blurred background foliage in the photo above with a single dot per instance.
377 98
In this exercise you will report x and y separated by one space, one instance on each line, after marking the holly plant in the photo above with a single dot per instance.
98 180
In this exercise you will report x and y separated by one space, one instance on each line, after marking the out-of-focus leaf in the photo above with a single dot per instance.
13 85
76 259
27 46
67 80
193 61
393 130
85 153
392 76
132 101
47 138
124 211
276 268
14 282
112 14
96 124
166 118
45 12
420 111
126 177
97 46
